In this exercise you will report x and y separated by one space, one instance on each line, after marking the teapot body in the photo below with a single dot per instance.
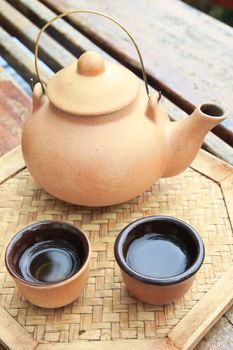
96 138
94 160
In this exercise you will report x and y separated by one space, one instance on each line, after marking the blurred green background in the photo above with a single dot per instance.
220 9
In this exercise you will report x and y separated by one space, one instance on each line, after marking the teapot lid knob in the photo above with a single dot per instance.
90 64
90 86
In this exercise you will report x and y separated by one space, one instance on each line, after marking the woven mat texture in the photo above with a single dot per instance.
106 310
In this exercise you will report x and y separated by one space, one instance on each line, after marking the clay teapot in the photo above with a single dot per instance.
96 137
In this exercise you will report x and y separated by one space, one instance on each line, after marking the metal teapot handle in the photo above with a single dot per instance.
96 13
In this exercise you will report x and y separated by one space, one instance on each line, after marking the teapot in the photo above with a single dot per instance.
96 137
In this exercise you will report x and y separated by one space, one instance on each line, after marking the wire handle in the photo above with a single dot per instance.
91 12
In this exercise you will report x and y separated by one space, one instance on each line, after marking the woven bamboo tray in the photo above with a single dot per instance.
107 316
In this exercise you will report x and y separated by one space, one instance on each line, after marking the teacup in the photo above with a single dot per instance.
49 262
159 257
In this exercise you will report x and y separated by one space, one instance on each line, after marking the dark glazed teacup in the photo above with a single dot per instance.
49 262
159 257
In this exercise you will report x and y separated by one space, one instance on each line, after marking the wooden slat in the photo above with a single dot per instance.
12 335
68 36
188 54
14 107
63 32
218 147
11 163
18 58
50 51
192 328
157 344
226 3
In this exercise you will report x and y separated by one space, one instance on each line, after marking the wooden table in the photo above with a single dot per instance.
188 56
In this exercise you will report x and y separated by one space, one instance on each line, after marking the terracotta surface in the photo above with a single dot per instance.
140 278
92 86
48 295
107 159
55 295
157 295
184 138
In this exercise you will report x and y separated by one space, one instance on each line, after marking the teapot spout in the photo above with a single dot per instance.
185 137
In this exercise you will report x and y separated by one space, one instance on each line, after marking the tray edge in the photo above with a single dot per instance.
11 163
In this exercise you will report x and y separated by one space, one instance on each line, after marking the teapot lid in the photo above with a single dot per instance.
92 86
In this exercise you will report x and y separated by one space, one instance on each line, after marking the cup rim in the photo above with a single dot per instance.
161 281
51 285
